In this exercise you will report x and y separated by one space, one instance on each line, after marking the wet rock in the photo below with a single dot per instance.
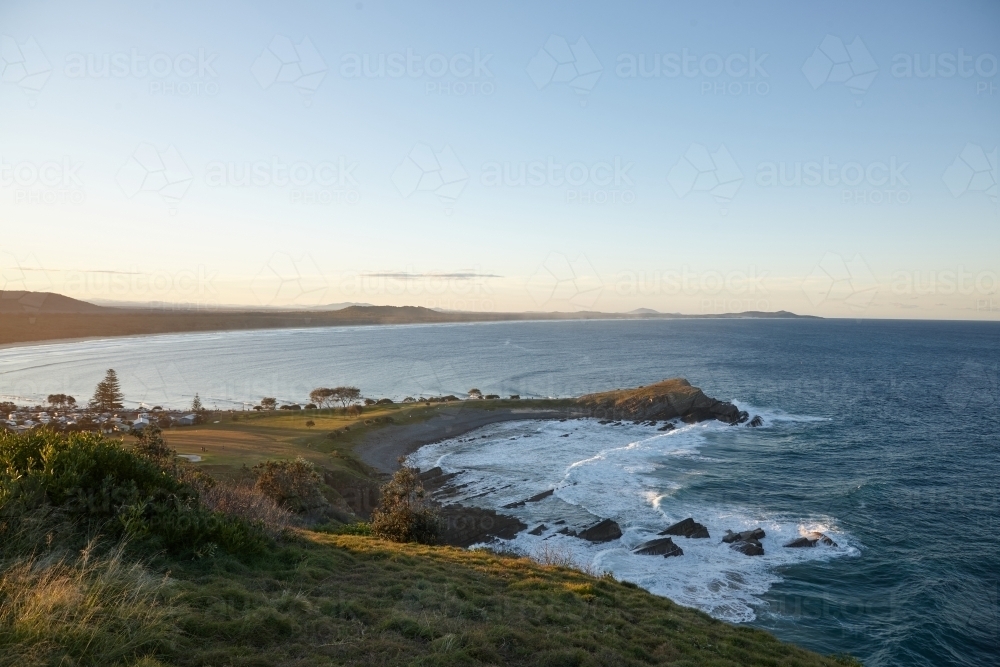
749 547
810 540
465 526
566 531
533 499
687 528
660 547
667 427
756 421
755 534
538 530
605 531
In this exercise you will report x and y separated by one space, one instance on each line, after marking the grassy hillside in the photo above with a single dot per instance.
101 583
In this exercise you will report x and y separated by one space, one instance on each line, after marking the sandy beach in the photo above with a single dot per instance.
382 448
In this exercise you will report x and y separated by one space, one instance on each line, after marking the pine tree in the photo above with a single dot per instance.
196 405
108 394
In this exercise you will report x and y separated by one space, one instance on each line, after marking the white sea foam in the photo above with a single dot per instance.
624 472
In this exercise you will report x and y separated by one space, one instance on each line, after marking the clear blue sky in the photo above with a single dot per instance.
126 131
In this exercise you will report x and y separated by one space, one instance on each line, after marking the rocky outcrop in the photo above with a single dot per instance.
811 540
660 547
687 528
670 399
465 526
755 422
538 530
755 534
746 542
533 499
749 547
605 531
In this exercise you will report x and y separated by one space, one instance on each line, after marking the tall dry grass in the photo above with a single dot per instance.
82 610
244 500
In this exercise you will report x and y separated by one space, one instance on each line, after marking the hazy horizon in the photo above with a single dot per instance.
837 161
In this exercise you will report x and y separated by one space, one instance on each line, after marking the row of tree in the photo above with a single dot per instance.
327 397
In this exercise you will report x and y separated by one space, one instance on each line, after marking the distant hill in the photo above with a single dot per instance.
43 302
40 316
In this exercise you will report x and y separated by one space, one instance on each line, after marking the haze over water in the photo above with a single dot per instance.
885 433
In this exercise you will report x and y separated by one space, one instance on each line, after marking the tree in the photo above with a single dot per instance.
61 401
108 394
268 403
346 395
322 396
196 405
404 513
475 393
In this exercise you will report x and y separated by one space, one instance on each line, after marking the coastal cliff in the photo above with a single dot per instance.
669 399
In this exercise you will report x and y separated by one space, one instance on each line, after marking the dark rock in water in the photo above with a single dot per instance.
566 531
605 531
666 427
749 547
604 421
533 499
810 540
801 542
687 528
756 421
755 534
564 435
662 547
560 522
465 526
538 530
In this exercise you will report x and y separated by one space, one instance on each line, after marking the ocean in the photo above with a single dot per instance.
882 434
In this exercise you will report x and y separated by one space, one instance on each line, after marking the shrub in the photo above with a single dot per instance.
245 501
404 513
98 485
292 484
384 401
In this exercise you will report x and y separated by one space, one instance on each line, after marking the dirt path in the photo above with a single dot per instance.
382 448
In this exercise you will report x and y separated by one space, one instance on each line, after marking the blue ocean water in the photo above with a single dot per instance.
891 440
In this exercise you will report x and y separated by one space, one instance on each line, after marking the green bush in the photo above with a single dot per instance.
97 485
292 484
404 513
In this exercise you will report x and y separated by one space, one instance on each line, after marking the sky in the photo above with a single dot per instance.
837 159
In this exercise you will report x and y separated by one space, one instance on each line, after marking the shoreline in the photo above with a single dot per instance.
381 449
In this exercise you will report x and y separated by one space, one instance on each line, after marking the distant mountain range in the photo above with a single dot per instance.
38 316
